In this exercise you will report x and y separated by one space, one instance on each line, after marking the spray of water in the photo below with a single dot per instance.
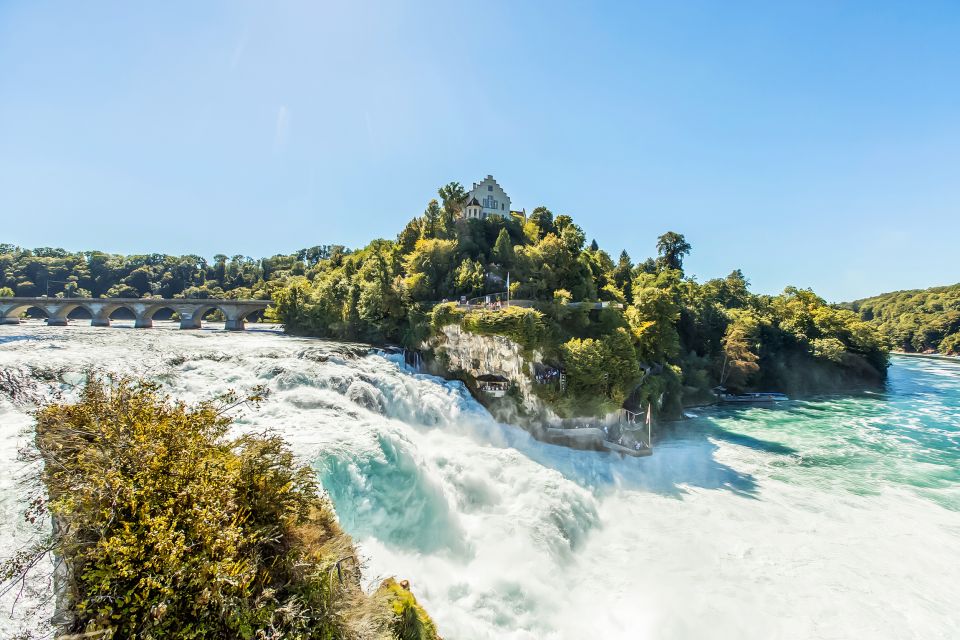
728 531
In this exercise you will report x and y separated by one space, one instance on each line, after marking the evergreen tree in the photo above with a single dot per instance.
623 276
431 220
409 236
503 250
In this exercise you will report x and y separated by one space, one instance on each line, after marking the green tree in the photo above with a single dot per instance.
951 345
622 365
429 269
453 196
622 276
672 248
542 218
412 232
469 278
654 314
739 351
586 363
573 238
431 220
561 222
503 250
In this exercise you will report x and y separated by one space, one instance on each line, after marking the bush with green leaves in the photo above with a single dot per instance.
170 528
524 326
445 314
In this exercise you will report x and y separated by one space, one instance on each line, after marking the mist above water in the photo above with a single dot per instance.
822 519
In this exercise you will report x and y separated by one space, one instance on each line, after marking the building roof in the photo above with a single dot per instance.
489 178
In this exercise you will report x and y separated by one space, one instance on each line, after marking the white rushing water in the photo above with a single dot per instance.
728 531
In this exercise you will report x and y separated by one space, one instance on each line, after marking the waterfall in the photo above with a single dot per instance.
732 527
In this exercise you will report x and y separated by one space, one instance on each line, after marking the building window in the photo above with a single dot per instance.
503 207
489 187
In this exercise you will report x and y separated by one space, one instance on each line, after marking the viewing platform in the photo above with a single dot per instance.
497 302
620 432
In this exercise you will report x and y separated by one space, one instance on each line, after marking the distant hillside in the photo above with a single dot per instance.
917 320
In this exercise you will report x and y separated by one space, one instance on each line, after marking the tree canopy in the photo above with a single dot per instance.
56 272
684 336
671 339
925 320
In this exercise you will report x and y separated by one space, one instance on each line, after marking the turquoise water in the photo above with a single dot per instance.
829 517
907 435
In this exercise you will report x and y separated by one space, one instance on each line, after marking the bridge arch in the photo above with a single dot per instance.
102 313
189 312
56 311
144 312
15 311
235 313
80 312
10 314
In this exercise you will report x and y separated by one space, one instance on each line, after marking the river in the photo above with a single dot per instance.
834 517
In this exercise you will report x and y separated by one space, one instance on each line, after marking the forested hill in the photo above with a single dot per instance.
663 335
95 274
919 320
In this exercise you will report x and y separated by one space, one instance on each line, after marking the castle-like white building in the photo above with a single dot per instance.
487 198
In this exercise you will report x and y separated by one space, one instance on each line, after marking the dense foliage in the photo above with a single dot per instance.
672 340
56 272
526 327
663 337
916 321
170 528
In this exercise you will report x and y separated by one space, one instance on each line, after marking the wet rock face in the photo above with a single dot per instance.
478 355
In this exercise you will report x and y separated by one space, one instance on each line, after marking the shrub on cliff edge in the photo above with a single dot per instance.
524 326
171 529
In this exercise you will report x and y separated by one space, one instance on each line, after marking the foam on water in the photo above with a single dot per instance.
830 518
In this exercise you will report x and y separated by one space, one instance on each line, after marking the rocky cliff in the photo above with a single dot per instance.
468 355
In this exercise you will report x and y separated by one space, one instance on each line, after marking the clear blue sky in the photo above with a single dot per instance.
809 143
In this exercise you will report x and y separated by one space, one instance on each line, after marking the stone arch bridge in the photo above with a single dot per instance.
191 311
